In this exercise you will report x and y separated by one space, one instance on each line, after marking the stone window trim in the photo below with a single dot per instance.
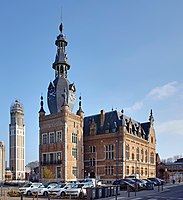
109 170
44 138
75 171
58 155
58 172
59 136
92 149
109 152
51 137
74 138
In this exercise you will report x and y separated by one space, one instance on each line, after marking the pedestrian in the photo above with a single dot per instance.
173 181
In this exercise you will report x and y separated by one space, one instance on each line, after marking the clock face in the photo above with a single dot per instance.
72 96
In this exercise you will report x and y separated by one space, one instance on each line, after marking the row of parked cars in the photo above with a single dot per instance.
58 189
138 184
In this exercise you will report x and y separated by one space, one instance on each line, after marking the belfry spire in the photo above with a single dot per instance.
61 65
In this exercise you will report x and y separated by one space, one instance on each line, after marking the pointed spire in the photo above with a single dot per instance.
151 118
41 109
61 65
80 107
123 123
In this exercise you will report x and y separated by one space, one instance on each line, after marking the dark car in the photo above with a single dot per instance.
156 181
124 184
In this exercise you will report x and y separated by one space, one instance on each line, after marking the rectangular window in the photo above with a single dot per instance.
92 149
59 172
51 158
127 170
92 162
75 153
75 171
109 152
74 138
59 136
51 138
44 158
44 138
59 157
109 170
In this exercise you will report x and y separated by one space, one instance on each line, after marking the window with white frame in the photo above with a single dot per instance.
59 156
59 136
127 152
146 156
51 137
75 153
92 162
137 154
74 138
51 158
44 138
109 170
109 152
75 171
152 157
59 172
92 149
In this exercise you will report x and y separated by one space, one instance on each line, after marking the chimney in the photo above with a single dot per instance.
102 117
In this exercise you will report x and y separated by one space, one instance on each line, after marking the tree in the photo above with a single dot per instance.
47 173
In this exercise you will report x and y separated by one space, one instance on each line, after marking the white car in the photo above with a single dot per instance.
78 189
58 190
42 190
26 189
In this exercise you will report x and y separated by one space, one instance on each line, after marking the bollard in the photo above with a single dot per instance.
5 195
158 188
128 191
162 187
48 197
1 190
21 196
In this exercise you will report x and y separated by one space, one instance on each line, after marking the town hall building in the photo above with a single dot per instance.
107 146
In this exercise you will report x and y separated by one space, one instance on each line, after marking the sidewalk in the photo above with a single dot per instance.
143 193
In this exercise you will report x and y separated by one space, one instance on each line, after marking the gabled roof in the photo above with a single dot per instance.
112 119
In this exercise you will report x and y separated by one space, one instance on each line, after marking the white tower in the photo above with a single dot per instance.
2 161
17 141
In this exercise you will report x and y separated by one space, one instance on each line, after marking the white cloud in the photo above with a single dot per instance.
174 127
163 91
136 106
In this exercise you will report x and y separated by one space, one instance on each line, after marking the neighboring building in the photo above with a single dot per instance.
61 141
171 170
115 146
17 141
2 161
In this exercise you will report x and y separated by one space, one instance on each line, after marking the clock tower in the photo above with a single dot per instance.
61 92
61 131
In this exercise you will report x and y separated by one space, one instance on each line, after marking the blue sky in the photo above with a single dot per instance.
123 55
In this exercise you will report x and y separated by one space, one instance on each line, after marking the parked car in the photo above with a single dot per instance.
26 189
156 181
42 190
78 190
140 183
58 190
124 184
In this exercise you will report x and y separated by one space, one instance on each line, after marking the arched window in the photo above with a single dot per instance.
146 156
137 153
133 171
127 152
142 155
152 158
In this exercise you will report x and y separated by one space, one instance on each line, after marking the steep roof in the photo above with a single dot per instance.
112 122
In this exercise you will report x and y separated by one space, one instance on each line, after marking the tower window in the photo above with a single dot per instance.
74 138
75 171
44 138
59 136
51 138
92 149
75 153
